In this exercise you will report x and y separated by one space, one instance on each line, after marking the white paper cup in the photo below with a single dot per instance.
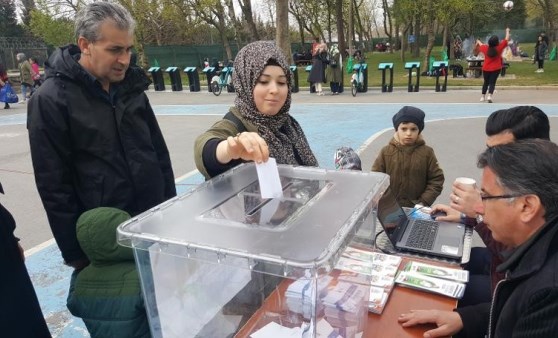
466 181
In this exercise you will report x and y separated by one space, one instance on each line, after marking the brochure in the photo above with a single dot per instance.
435 285
457 275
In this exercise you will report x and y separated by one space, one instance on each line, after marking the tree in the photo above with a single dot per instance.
340 26
54 32
26 8
283 36
251 30
8 23
548 10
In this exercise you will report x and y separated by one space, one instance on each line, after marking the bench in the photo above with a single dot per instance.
477 70
303 62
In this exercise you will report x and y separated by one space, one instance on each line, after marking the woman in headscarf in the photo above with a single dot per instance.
259 125
334 72
492 64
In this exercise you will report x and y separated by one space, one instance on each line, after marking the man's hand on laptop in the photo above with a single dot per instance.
452 215
464 197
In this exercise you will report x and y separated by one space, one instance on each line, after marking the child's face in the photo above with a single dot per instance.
408 133
271 90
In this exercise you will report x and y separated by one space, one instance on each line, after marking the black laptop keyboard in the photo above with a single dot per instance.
423 234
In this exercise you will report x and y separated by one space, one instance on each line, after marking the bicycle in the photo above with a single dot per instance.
357 79
224 79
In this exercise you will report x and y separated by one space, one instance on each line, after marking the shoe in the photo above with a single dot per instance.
489 98
482 99
541 70
22 102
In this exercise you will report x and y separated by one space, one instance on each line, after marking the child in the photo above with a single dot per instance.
415 176
36 73
107 294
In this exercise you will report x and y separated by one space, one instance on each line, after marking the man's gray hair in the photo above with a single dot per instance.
20 56
524 167
90 18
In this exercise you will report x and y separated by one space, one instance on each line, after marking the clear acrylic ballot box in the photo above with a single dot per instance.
220 261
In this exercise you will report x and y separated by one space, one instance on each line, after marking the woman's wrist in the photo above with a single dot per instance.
222 152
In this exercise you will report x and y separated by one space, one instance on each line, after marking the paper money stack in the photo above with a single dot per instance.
300 299
345 306
380 268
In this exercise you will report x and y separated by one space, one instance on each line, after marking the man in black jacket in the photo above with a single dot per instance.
520 206
93 134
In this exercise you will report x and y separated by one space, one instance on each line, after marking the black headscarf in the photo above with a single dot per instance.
282 132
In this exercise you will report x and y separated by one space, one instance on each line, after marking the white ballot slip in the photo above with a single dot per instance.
268 177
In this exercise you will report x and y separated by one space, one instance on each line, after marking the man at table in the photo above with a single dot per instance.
520 205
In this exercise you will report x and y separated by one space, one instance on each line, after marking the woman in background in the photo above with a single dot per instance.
319 62
492 64
540 53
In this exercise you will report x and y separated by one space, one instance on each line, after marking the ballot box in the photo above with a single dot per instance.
221 261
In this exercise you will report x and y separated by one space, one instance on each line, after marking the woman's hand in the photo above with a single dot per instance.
248 146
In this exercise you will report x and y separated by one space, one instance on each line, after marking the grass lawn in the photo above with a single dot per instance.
520 73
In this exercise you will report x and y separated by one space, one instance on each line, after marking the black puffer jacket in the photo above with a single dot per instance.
525 303
89 153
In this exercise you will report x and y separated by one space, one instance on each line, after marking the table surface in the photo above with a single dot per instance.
401 300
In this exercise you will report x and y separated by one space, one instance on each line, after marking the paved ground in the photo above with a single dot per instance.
455 129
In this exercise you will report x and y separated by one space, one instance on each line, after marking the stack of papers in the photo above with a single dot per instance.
344 306
445 281
380 268
299 296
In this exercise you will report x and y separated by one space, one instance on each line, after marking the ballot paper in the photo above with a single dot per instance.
268 177
274 330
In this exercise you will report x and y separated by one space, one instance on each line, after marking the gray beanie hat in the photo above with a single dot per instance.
409 114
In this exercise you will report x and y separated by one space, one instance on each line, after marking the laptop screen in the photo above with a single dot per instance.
391 216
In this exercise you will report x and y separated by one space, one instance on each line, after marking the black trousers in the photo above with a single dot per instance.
541 63
490 81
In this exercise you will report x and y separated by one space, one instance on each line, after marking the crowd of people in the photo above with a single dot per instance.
29 75
99 158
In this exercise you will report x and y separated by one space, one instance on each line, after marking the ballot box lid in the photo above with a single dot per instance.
304 231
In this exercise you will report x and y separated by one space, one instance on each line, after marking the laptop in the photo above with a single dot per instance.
440 239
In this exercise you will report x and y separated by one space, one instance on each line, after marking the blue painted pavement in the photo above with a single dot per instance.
327 127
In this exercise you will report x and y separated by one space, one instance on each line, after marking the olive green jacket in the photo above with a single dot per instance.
220 130
25 72
415 175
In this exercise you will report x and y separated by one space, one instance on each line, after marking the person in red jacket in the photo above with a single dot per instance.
492 63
